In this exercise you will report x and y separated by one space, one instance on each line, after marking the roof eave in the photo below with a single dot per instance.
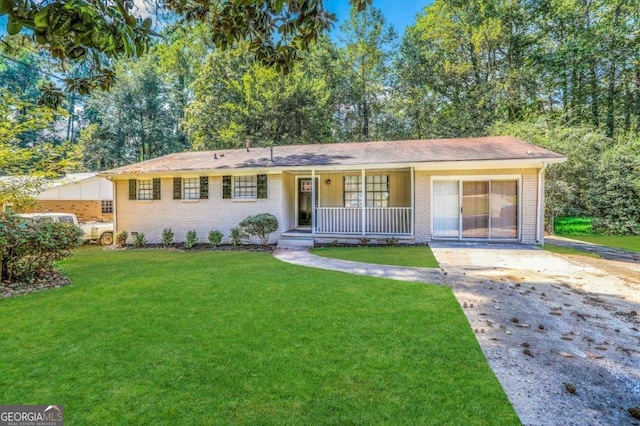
537 162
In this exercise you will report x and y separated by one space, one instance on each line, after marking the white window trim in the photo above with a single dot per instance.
139 188
474 178
184 198
233 188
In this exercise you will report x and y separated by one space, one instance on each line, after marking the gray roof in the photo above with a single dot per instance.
346 154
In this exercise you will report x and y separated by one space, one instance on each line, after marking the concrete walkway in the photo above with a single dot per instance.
304 258
609 253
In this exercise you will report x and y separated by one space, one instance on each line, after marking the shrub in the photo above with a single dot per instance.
167 236
28 249
191 240
215 238
139 240
260 225
334 243
392 241
236 236
121 238
365 241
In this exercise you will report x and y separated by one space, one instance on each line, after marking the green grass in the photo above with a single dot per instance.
573 225
160 337
417 256
626 242
568 250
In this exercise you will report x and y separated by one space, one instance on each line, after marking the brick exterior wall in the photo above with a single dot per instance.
528 199
215 213
86 211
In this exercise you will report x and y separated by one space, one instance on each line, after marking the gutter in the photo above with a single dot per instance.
539 206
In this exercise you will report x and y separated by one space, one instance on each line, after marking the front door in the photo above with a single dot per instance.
305 205
305 209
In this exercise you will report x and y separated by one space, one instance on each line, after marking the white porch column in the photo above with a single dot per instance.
413 203
314 210
363 195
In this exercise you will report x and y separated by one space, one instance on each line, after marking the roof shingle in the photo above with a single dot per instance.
346 154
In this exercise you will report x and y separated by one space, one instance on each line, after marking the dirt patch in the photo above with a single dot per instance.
560 334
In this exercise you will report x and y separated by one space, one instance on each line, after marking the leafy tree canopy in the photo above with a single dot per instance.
277 30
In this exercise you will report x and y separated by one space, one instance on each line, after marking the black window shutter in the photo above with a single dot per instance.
132 189
204 187
226 186
262 186
177 188
156 188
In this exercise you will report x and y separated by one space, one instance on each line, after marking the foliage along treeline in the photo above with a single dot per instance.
564 75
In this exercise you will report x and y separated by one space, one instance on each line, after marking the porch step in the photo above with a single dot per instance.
295 242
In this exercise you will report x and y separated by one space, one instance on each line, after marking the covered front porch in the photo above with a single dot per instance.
350 202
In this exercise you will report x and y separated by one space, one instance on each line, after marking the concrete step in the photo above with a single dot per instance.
295 243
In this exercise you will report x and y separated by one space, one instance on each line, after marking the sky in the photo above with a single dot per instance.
399 13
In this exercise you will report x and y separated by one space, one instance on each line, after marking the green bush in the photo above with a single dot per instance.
236 236
191 240
121 238
167 236
29 248
260 225
139 240
365 241
215 238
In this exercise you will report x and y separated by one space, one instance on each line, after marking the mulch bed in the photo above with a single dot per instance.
53 280
199 247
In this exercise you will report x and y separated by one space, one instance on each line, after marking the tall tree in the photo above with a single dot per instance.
237 100
135 121
368 45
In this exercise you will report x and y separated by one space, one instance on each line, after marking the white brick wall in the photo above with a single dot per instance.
529 178
216 213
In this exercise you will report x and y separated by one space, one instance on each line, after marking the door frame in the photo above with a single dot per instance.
297 205
473 178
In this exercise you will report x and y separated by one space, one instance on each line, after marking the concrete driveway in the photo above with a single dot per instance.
552 324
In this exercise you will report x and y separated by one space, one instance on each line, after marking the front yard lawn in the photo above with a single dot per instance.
165 337
625 242
414 256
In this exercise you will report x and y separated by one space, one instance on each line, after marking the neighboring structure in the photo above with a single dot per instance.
488 188
87 195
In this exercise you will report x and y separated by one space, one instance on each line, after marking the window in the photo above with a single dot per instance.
196 188
65 219
191 188
145 189
377 191
107 206
245 187
352 191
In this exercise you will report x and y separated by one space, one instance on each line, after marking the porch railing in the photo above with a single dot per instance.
378 220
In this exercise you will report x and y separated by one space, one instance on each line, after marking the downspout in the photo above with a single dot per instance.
540 204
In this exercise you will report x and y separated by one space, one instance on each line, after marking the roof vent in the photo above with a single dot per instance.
215 156
529 152
248 145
